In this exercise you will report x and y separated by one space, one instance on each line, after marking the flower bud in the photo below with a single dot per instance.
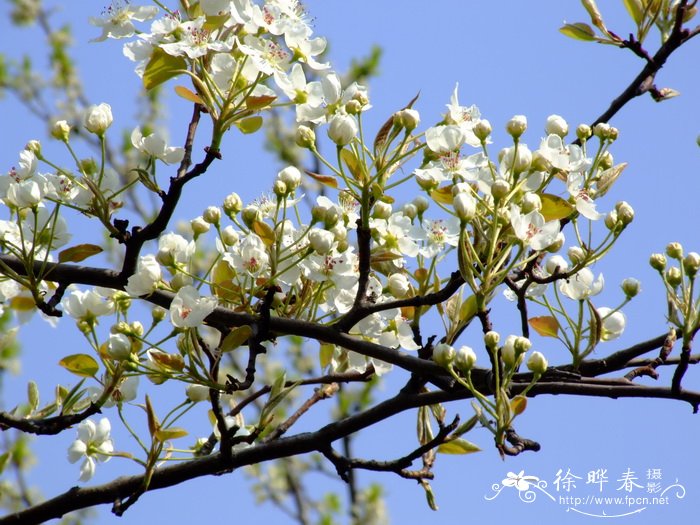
331 217
232 205
279 188
321 240
500 188
199 226
576 254
398 285
229 236
421 204
602 130
557 244
625 212
531 201
583 132
60 130
511 356
556 125
516 126
613 133
517 159
88 166
673 276
197 393
556 263
353 107
491 339
407 118
691 263
443 355
318 214
522 344
631 287
465 206
482 129
98 119
611 220
537 363
291 176
342 129
674 250
34 146
465 359
119 347
305 137
606 160
158 314
409 210
212 215
658 261
381 210
250 214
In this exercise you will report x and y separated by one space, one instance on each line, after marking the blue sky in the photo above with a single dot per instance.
508 58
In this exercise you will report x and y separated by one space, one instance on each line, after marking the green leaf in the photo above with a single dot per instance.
250 125
546 325
325 354
4 459
429 495
33 395
458 446
78 253
635 9
555 208
162 67
467 309
578 31
188 94
80 364
167 434
236 338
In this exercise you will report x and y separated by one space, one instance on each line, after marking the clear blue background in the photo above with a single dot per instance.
508 58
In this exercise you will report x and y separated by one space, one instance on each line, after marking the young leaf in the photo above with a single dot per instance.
265 232
167 434
546 326
555 208
236 338
353 164
578 31
250 125
33 395
80 364
326 180
188 94
608 178
635 9
153 423
255 103
518 405
162 67
443 195
78 253
458 446
325 354
429 495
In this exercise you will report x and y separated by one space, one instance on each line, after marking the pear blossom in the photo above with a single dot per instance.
532 229
435 234
195 41
174 250
266 55
582 285
249 256
86 305
465 117
339 268
145 280
395 235
154 145
188 309
444 139
398 334
93 444
585 205
116 20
